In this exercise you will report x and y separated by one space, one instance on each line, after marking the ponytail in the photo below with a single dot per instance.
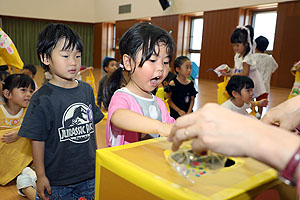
112 84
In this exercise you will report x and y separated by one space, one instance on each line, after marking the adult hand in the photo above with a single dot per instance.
286 115
10 136
215 128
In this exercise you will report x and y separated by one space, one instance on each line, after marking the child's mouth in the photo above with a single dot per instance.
155 81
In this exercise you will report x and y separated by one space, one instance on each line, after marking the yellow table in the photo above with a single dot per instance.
140 171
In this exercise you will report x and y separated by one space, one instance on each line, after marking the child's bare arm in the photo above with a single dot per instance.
191 104
38 149
260 103
10 136
132 121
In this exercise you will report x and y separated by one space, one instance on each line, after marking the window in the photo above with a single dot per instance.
196 40
264 23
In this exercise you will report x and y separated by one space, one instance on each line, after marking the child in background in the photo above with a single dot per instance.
164 89
240 89
244 64
15 152
109 66
3 76
30 70
17 91
61 119
182 88
265 64
146 51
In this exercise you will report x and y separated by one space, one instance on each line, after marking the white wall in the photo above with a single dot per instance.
107 10
66 10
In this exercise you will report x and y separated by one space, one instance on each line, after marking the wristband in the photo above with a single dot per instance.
287 174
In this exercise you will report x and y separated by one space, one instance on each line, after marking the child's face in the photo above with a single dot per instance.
152 73
64 64
185 69
246 95
238 48
20 96
112 66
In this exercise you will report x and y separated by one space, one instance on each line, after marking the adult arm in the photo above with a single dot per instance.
38 149
286 115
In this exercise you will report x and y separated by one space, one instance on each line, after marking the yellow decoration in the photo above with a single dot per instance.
90 79
8 52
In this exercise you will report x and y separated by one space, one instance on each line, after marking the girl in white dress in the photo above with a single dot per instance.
244 64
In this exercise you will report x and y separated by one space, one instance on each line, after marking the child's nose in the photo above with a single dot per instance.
72 61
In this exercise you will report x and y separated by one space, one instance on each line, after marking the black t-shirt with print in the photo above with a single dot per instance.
64 118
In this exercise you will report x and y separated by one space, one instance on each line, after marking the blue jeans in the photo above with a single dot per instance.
84 189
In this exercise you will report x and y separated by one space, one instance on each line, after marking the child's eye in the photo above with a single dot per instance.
166 62
65 56
152 60
79 56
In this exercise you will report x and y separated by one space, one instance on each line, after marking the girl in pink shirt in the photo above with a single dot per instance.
134 113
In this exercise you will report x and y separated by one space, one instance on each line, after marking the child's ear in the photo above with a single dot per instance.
6 93
44 59
235 94
127 62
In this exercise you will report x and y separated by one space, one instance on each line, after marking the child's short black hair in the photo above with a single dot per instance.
179 61
31 68
262 43
237 83
49 37
106 62
17 81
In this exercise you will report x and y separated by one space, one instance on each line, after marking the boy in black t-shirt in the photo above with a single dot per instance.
61 119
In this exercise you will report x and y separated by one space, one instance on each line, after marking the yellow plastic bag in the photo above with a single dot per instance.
90 79
296 87
222 94
8 51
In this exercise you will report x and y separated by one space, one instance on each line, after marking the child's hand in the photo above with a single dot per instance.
10 137
228 74
181 112
42 185
263 103
165 129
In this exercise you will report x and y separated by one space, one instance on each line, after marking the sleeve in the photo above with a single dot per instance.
37 121
249 59
118 101
193 90
274 65
97 114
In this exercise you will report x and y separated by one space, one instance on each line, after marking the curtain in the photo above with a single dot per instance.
24 34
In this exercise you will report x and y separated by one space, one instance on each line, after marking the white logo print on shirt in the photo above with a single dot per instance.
76 124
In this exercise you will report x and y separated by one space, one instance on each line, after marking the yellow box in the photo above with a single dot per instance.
140 171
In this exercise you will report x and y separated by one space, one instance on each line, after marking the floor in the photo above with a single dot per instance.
207 93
